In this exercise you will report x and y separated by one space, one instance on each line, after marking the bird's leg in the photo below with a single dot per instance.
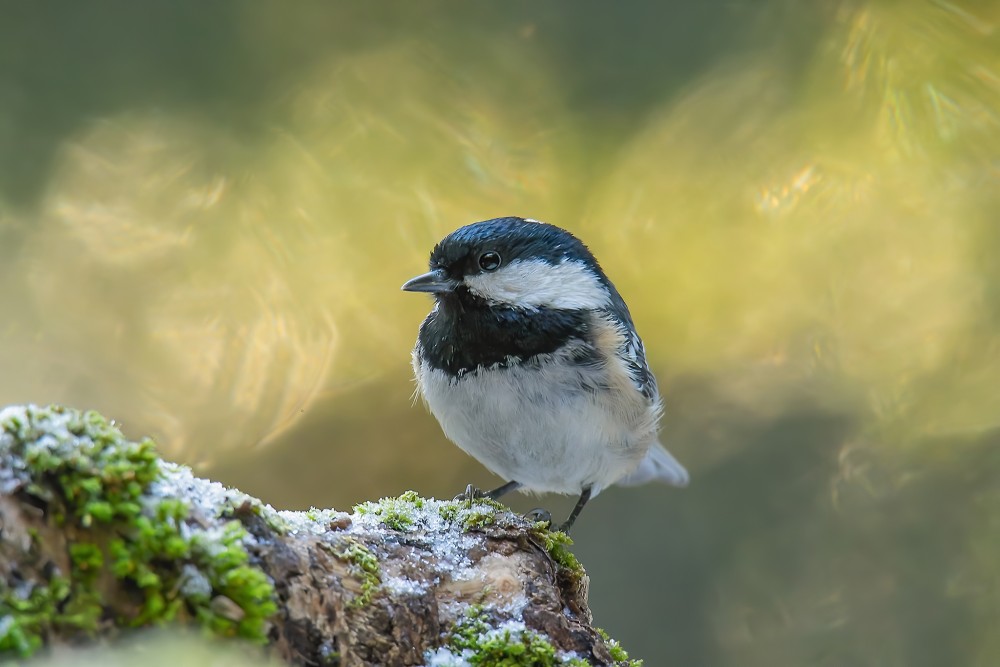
471 492
584 497
502 490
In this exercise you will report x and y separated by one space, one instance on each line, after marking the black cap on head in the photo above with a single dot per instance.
514 239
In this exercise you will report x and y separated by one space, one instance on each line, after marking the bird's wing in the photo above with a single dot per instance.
633 354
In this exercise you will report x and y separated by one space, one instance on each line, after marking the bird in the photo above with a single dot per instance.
530 362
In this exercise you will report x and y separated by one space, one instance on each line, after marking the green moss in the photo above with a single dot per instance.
476 514
480 642
87 559
478 517
557 543
84 462
62 604
241 504
223 559
618 654
513 646
86 473
448 511
404 512
366 568
24 618
395 513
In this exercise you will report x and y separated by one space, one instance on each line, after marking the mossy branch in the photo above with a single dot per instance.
97 534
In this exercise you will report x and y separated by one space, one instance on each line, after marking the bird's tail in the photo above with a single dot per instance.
659 465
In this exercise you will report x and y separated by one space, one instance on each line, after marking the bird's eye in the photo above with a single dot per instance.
489 261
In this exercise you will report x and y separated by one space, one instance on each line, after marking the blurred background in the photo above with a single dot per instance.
207 209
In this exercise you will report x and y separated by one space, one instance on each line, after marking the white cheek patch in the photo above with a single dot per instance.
536 284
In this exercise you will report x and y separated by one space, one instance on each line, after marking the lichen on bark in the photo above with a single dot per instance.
126 547
99 534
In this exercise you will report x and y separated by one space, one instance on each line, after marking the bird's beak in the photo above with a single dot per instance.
435 282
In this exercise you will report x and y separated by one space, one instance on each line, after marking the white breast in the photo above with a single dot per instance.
550 424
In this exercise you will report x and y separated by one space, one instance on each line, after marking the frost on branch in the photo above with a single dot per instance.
97 534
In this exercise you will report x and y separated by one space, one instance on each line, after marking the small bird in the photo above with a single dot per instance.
531 364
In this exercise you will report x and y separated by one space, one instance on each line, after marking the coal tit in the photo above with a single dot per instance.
530 362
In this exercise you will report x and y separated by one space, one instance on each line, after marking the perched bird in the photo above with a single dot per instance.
530 362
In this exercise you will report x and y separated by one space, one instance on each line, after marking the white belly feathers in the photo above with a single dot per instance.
541 423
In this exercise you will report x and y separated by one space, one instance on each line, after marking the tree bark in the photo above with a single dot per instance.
97 534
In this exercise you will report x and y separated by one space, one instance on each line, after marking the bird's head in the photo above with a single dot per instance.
516 263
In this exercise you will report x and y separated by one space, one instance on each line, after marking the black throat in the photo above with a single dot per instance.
463 334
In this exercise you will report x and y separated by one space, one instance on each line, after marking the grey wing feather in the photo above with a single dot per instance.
632 352
635 354
658 464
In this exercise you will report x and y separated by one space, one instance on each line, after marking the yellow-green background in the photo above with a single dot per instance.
207 209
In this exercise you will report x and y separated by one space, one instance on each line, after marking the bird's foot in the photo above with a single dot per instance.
539 515
471 493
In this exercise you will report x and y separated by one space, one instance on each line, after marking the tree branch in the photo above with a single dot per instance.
98 534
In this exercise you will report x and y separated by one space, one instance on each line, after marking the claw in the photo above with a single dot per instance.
539 514
470 494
